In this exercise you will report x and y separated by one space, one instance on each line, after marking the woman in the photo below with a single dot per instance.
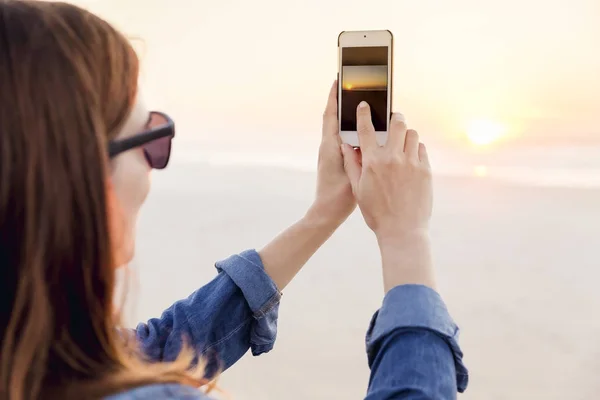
76 148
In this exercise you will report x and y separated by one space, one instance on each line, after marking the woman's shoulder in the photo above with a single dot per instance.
167 391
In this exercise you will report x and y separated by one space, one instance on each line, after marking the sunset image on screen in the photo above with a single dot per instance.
364 77
364 83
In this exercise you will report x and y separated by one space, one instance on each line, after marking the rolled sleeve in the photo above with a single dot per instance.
416 307
234 312
246 270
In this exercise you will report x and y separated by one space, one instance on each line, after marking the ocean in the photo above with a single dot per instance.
551 166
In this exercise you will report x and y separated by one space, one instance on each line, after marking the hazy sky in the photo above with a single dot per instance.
260 70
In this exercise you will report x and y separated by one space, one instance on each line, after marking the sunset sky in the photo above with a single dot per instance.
365 77
528 70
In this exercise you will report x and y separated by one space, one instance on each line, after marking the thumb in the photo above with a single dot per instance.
351 165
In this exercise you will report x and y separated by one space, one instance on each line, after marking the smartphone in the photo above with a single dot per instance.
365 74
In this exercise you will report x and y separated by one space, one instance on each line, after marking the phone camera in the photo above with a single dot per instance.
365 36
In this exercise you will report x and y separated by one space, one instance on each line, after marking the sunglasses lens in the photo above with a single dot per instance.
158 151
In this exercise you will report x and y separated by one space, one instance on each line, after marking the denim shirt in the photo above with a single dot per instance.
412 342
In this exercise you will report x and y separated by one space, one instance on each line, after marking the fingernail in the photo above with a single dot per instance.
363 104
399 117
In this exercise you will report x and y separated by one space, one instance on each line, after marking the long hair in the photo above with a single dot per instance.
68 82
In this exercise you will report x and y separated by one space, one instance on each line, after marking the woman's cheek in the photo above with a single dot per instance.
131 183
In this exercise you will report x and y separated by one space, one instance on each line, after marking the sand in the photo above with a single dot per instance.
517 266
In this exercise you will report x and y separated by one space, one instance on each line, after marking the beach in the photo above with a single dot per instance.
517 267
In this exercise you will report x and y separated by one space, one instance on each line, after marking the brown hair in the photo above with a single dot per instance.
68 82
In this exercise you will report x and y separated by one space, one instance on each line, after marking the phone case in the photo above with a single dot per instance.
392 74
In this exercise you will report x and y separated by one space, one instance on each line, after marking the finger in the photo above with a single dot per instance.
352 165
411 144
397 133
364 126
423 156
330 120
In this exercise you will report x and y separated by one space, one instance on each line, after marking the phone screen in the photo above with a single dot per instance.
364 78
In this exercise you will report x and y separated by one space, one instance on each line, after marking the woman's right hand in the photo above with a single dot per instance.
393 187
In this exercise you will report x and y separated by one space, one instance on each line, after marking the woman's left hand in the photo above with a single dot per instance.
285 255
334 199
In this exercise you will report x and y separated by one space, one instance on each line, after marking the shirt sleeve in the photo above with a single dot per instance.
412 348
236 311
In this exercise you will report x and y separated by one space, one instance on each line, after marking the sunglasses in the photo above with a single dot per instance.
156 141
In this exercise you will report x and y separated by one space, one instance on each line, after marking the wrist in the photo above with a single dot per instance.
406 259
324 217
400 237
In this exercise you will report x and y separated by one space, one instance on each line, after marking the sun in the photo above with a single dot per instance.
348 86
483 132
480 171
